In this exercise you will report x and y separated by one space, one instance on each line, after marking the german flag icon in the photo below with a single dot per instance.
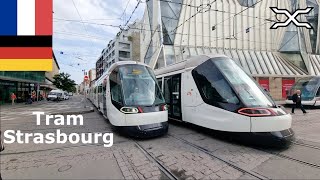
25 35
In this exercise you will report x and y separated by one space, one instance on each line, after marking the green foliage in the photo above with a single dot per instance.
62 81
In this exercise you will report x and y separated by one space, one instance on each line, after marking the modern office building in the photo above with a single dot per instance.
124 47
22 83
92 74
174 30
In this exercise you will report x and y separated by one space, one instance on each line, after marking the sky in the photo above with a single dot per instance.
78 40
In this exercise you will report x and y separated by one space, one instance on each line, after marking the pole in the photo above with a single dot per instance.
38 90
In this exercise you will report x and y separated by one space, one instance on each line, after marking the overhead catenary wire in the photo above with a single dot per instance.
79 35
134 10
86 22
199 8
124 11
239 12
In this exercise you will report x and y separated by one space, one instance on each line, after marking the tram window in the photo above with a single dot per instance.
167 87
115 92
160 83
166 92
318 93
176 103
213 87
100 89
115 88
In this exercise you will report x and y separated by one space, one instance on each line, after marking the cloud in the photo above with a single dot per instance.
82 43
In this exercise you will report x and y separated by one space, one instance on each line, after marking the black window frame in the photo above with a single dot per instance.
114 79
167 93
159 81
318 92
220 104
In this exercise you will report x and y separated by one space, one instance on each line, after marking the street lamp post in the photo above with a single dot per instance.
85 84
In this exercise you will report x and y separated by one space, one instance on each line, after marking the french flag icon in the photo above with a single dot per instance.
26 17
26 35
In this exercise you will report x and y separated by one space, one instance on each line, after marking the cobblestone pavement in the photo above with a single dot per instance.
307 126
176 152
187 162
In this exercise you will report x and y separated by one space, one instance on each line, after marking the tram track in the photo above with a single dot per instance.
305 145
291 158
254 174
295 159
162 167
204 150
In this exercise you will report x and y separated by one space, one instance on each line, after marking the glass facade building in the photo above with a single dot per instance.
22 83
175 30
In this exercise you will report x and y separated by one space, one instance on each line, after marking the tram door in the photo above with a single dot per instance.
104 97
172 94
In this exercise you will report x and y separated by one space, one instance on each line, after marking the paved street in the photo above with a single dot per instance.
187 152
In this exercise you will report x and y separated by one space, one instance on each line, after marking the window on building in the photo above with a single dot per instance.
124 54
112 44
124 46
247 3
170 13
113 53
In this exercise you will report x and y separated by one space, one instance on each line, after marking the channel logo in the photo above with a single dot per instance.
291 18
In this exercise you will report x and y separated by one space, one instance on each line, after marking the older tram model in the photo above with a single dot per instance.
129 96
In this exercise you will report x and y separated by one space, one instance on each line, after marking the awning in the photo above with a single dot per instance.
314 65
256 63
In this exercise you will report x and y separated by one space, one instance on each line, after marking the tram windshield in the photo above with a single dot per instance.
309 88
223 83
137 86
246 88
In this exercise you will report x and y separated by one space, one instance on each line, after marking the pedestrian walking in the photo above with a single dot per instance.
296 98
33 95
13 98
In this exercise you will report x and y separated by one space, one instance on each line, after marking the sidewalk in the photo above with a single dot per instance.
280 102
57 161
21 105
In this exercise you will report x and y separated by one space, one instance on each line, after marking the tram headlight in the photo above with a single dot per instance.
256 112
129 110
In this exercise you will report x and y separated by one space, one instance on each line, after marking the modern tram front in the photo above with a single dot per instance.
135 104
310 91
216 93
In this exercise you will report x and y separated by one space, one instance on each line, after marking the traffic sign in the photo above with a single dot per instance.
86 78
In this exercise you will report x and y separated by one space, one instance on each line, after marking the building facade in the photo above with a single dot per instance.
92 74
22 83
173 31
125 47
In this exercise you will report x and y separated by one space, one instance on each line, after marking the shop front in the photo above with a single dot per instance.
22 90
6 88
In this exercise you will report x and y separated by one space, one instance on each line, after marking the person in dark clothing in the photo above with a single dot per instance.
296 98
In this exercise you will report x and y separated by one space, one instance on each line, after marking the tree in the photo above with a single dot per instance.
62 81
